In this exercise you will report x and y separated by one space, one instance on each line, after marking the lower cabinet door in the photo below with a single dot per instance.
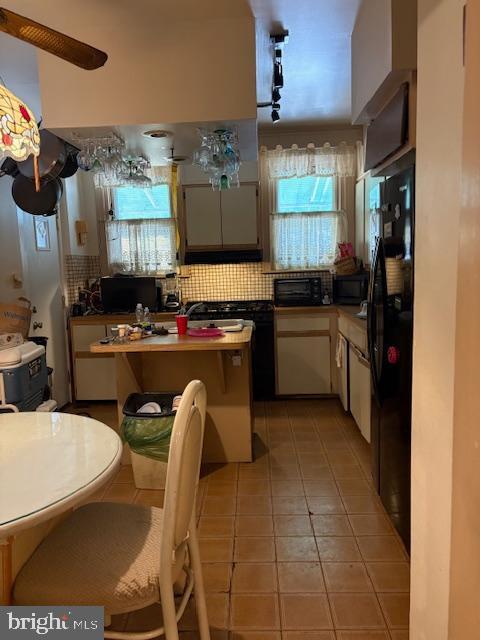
303 365
360 391
95 379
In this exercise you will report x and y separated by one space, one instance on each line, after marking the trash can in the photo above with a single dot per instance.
148 436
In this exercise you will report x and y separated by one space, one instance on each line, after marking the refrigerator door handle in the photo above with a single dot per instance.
372 318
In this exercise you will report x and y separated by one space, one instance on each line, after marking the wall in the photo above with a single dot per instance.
10 254
21 76
286 137
81 262
465 558
191 174
168 62
439 135
79 203
237 282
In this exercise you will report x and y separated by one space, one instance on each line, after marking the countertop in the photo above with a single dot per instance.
231 341
348 311
117 318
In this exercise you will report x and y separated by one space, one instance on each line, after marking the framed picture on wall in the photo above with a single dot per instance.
42 233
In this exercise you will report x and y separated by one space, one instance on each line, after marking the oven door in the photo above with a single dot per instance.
293 292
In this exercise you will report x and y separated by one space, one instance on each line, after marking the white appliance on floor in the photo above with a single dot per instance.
24 379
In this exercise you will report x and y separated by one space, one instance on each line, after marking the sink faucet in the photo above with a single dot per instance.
192 308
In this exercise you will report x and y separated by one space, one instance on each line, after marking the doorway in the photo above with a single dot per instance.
42 273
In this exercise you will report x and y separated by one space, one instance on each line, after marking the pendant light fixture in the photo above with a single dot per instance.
19 135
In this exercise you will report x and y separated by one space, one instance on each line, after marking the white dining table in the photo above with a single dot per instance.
50 462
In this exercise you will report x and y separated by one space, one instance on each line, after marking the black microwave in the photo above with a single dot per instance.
297 292
350 289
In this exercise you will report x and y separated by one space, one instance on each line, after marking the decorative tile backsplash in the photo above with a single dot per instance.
245 281
77 271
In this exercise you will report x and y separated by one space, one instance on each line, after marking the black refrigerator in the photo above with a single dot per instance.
390 338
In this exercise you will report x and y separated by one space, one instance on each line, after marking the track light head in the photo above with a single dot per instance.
277 76
275 116
276 95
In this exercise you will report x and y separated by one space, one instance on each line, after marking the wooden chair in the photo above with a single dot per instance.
125 556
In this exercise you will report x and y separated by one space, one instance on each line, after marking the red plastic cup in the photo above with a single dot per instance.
182 322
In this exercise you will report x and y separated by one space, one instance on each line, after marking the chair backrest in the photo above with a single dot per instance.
183 471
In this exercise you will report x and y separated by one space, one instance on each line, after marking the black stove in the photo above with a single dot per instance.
263 350
221 309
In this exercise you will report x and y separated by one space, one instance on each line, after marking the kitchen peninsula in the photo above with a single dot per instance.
167 363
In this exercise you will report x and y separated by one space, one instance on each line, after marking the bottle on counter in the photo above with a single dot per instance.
146 316
139 312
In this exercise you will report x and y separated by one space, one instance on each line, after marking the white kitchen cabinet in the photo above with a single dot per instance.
93 376
384 49
203 217
239 215
83 336
304 352
221 219
360 390
95 379
303 365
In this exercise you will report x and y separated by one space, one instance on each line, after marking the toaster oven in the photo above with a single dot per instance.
297 292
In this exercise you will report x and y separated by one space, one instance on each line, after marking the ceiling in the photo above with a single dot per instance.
316 60
316 63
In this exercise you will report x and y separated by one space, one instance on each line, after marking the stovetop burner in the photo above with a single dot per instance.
232 307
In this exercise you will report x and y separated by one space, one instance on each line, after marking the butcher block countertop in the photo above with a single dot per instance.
231 341
117 318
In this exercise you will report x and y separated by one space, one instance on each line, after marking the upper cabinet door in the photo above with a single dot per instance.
203 217
239 216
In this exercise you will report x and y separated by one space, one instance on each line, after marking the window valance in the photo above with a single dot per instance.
339 161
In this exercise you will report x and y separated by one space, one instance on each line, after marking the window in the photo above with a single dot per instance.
142 238
301 195
133 203
305 226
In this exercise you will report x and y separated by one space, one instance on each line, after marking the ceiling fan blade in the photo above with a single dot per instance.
61 45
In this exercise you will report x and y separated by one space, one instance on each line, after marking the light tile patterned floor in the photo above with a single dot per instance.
296 545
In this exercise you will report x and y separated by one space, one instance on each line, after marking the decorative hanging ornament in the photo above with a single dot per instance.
19 135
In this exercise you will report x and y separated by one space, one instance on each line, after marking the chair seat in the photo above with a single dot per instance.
104 554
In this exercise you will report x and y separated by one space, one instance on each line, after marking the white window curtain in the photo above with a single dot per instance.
308 240
141 246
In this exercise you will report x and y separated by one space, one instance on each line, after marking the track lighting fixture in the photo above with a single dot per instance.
277 76
277 41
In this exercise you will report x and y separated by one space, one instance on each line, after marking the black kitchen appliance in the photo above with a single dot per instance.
350 289
297 292
390 338
120 294
263 350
